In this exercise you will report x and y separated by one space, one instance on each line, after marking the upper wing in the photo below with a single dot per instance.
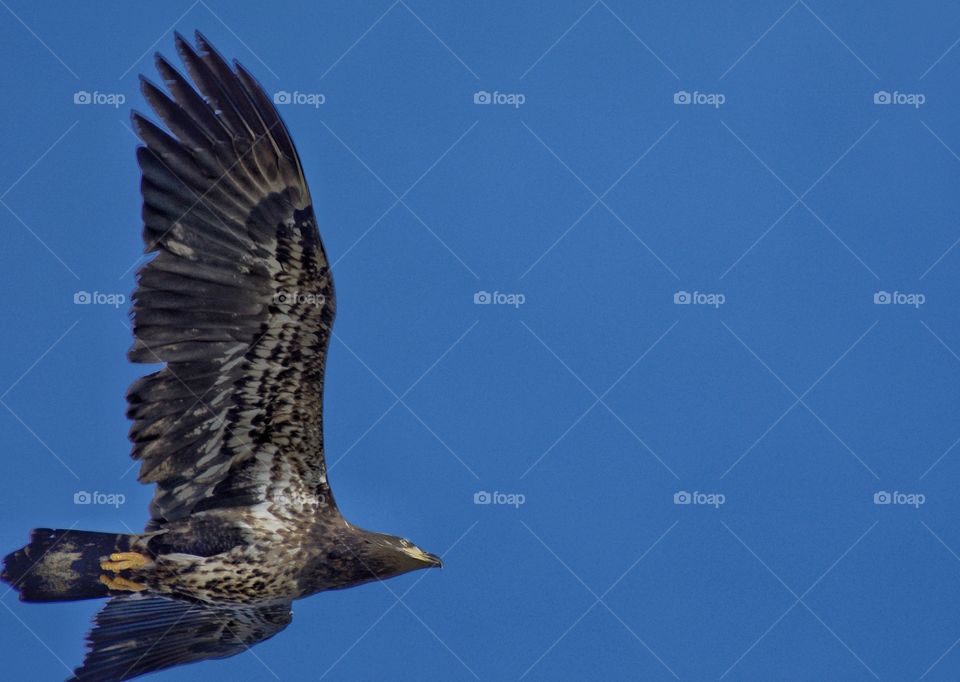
238 301
136 634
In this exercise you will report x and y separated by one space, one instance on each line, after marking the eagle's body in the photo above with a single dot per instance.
238 305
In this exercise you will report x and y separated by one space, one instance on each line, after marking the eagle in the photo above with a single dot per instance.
237 304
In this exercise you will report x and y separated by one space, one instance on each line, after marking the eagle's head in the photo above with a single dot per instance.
379 556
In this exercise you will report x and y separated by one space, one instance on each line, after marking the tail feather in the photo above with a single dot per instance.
61 565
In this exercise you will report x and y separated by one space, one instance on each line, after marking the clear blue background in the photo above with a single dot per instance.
797 576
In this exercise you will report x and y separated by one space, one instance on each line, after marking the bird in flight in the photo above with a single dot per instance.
238 305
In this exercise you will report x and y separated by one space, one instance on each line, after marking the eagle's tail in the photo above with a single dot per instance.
62 565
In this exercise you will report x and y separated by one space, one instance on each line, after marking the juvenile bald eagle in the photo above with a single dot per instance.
238 302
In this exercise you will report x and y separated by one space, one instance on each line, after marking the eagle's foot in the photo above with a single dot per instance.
119 584
122 561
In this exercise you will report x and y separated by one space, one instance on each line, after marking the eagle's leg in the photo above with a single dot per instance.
118 583
123 561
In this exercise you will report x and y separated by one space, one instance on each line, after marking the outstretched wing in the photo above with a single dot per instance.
238 300
137 634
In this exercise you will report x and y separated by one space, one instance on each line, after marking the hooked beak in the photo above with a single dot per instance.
431 560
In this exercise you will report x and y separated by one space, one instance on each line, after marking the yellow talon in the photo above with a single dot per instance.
122 561
121 584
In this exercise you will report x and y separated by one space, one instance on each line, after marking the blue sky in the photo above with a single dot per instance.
718 248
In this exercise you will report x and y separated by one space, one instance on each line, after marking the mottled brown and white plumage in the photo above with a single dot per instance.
237 303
